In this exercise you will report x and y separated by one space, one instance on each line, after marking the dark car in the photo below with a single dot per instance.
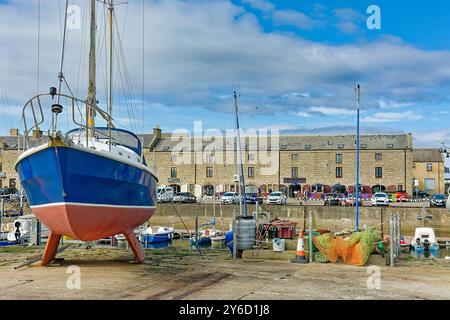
438 200
332 199
8 192
184 197
251 198
420 194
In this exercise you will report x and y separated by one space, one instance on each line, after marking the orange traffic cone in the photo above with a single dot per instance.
300 255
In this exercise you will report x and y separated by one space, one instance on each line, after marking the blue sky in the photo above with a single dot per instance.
294 63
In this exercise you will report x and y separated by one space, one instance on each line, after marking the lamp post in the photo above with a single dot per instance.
358 105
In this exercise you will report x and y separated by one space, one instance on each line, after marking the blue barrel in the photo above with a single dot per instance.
229 240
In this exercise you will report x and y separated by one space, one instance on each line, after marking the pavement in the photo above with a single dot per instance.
180 274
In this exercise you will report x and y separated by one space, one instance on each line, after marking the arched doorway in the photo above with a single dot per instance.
295 190
392 189
176 188
208 191
378 188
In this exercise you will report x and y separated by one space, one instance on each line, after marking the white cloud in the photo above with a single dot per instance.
348 20
326 111
381 117
198 51
262 5
295 18
389 104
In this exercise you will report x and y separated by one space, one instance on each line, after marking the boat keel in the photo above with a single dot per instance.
50 248
133 242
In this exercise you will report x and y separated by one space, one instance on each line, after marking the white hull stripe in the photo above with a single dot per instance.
90 205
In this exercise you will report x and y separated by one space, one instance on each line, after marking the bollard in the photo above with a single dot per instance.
391 234
196 228
234 235
310 240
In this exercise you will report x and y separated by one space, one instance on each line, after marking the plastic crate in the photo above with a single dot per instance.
285 229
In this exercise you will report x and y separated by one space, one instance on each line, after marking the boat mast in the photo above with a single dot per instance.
240 162
111 46
92 90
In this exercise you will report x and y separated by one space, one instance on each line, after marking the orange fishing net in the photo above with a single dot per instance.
355 249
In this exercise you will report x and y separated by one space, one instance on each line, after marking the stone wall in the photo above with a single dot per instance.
332 218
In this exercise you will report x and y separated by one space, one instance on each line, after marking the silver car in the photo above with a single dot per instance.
229 198
380 199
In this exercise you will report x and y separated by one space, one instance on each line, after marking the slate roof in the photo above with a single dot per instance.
427 155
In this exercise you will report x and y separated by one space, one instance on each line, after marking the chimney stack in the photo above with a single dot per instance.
13 132
157 132
37 134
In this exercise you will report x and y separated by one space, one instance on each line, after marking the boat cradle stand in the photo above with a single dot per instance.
51 247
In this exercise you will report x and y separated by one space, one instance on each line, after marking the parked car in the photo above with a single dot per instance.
9 193
332 199
229 198
380 199
438 200
184 197
252 198
350 201
277 198
420 194
402 196
164 194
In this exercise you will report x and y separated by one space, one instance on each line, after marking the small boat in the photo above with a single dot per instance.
162 234
424 240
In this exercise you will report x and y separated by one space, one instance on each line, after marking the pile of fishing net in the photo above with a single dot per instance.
354 249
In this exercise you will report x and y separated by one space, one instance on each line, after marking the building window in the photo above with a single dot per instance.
192 188
294 157
339 172
378 156
378 172
338 158
341 146
400 188
173 172
363 146
429 167
251 157
390 146
294 172
308 147
173 158
209 172
251 172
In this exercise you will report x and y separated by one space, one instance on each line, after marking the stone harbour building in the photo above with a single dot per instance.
293 164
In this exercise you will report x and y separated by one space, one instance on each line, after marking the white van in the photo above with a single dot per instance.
164 194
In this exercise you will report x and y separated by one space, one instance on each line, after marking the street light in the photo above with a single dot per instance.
358 106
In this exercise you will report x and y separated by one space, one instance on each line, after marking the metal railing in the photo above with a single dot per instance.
34 106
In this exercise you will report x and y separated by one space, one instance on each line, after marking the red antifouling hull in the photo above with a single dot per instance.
91 222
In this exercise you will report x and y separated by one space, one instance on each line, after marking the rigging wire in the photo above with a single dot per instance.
38 45
143 66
